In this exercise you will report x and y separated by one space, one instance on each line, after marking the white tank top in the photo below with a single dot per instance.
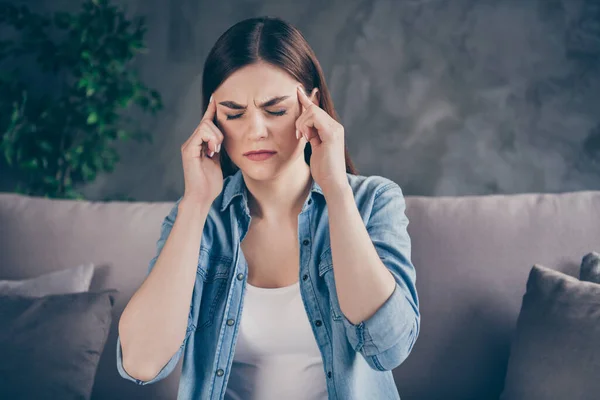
276 355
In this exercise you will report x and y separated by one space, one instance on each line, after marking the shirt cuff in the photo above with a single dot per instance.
164 372
394 326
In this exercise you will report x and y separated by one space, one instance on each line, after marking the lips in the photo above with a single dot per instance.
259 152
260 156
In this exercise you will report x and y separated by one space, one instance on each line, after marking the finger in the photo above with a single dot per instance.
216 142
315 140
311 134
300 121
211 127
300 131
211 110
203 134
208 116
194 138
303 98
301 126
305 124
212 140
190 150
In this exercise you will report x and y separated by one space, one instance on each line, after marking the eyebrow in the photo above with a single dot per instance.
235 106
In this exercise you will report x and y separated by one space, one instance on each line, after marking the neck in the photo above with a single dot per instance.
280 197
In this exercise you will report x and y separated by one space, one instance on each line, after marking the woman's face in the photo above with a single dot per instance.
248 124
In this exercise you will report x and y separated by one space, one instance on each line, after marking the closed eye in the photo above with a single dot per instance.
277 113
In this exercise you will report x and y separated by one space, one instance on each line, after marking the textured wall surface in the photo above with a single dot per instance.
445 97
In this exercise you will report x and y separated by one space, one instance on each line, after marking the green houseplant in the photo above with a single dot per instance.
61 134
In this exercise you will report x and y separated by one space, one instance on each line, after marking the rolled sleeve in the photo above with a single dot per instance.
164 372
388 336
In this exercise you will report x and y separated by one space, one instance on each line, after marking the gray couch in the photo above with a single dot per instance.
472 255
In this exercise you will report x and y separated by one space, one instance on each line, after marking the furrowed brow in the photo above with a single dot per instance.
235 106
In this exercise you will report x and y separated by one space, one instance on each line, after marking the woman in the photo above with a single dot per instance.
281 274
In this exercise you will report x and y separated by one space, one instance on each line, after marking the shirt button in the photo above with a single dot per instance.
318 322
230 322
305 277
240 276
305 242
220 372
329 374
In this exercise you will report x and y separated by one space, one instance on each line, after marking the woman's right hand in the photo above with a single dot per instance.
203 176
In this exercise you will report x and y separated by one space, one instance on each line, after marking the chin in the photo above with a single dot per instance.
264 171
259 172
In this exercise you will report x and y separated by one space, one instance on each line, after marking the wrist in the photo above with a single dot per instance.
338 193
201 206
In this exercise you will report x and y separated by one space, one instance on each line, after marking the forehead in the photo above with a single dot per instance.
256 82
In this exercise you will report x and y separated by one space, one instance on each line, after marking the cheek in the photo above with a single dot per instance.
229 134
291 124
229 142
288 131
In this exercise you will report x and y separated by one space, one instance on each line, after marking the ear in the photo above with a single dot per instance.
315 96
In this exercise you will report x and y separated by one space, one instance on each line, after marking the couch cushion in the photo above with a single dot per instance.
51 345
556 350
472 255
40 235
70 280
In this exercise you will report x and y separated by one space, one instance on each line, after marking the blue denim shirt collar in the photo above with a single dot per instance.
237 187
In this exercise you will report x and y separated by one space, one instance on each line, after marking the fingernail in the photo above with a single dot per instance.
210 101
219 147
212 153
297 135
304 134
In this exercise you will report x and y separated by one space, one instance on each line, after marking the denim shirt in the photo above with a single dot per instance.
358 359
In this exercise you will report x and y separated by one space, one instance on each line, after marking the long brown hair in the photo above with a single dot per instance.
273 41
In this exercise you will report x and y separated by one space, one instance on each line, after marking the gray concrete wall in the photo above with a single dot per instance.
445 97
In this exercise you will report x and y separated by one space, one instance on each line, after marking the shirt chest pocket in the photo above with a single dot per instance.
326 274
214 273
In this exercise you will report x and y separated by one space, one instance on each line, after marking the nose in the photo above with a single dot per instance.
257 127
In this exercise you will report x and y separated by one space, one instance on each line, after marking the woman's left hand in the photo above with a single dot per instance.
326 138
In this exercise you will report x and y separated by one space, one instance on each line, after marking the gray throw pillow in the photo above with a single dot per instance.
555 353
71 280
590 267
50 346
